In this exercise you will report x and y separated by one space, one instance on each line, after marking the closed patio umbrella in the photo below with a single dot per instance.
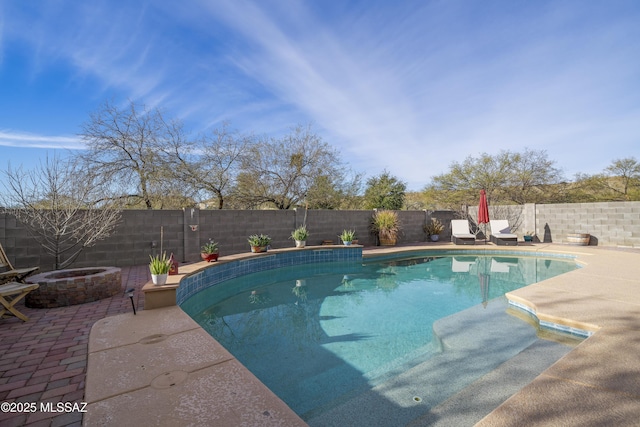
483 213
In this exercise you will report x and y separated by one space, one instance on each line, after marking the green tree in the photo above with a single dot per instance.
507 177
384 192
461 185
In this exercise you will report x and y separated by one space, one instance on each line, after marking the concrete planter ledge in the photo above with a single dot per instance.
167 295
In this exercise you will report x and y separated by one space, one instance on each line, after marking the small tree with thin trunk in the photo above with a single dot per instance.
62 207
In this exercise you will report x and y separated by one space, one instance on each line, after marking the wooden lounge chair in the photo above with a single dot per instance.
10 294
8 273
501 233
460 234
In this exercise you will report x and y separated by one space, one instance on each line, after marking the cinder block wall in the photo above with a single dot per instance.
146 232
608 223
141 232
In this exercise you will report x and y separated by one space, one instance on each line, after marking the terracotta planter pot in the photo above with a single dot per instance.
209 257
257 249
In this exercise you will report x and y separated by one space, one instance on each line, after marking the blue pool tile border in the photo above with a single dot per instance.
218 273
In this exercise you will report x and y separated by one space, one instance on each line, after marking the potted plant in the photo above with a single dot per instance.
259 242
300 235
433 229
347 237
209 251
386 226
159 267
528 236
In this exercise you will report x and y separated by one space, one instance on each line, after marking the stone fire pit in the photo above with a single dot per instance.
73 286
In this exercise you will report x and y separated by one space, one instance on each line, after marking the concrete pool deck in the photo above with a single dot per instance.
160 367
156 367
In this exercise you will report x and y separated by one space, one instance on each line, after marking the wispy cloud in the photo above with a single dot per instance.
24 140
437 96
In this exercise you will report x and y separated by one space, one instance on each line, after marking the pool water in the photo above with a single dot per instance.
321 335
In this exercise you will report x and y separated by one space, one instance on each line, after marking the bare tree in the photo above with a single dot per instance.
533 178
627 173
210 164
64 208
285 172
126 146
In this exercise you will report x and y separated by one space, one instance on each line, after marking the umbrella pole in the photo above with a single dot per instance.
485 233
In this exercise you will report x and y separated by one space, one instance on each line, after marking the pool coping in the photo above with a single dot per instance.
576 390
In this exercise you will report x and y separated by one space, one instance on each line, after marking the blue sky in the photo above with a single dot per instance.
407 86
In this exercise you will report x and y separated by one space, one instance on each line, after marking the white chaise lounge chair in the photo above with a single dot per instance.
502 265
501 233
460 234
462 264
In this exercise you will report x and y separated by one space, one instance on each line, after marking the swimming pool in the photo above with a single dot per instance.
322 335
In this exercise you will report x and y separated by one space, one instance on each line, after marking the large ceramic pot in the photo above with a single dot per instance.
301 243
209 257
435 237
159 279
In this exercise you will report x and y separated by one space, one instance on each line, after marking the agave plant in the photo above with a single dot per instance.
159 264
347 235
300 233
259 240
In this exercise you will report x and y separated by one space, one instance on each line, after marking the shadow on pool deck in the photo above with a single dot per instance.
598 383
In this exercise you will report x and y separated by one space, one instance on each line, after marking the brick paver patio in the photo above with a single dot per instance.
45 359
